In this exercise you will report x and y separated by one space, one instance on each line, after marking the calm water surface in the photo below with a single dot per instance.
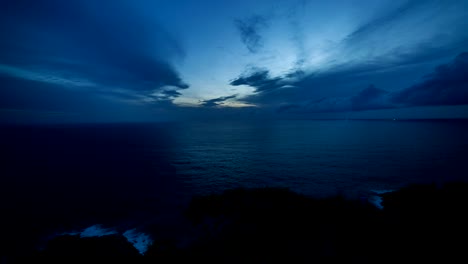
58 178
319 157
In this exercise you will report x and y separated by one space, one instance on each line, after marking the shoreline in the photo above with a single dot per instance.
273 223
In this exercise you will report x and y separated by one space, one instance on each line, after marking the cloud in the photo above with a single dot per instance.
28 94
259 79
415 32
24 100
382 23
302 88
447 85
370 98
249 30
167 94
216 101
171 93
64 41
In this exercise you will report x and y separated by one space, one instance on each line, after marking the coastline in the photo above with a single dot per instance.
267 224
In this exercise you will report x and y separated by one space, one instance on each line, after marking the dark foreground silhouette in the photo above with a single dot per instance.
420 223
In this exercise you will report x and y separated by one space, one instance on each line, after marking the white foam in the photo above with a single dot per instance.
92 231
140 241
97 231
377 200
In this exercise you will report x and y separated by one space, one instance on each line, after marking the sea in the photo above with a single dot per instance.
137 178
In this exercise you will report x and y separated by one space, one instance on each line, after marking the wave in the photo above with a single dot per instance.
139 240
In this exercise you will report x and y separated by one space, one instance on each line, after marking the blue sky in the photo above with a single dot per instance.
108 61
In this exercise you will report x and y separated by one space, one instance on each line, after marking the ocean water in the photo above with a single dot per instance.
60 178
320 158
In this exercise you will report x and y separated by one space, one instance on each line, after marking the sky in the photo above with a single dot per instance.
154 60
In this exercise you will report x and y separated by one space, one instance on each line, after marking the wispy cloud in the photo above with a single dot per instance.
250 31
415 32
259 79
217 101
381 23
73 44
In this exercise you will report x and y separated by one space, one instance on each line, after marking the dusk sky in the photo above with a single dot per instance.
146 60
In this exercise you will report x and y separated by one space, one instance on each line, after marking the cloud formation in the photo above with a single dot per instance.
291 57
447 85
216 101
370 98
70 40
250 29
414 32
259 79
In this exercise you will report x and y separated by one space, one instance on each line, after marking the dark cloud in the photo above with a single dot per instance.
447 85
171 93
216 101
298 85
23 94
105 44
249 30
370 98
341 80
299 88
259 79
31 101
165 96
